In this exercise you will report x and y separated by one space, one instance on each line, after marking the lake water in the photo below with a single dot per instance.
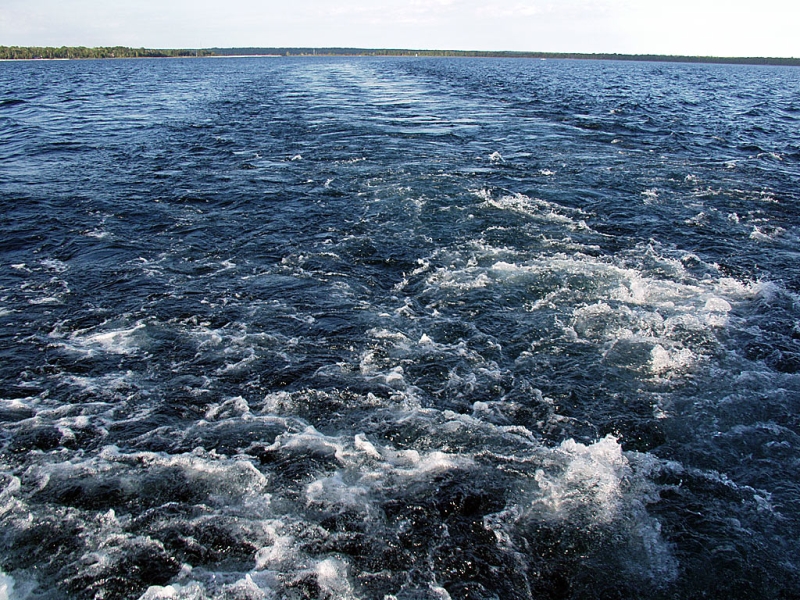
399 329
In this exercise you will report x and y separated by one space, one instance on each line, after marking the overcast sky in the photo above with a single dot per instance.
706 27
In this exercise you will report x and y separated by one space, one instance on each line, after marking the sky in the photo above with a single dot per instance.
692 27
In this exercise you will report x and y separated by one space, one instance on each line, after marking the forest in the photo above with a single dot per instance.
500 54
71 52
81 52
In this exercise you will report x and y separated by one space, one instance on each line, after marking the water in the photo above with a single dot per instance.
399 328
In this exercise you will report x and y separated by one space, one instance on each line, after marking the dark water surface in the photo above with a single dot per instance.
399 328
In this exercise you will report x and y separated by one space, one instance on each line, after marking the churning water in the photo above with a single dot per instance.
399 328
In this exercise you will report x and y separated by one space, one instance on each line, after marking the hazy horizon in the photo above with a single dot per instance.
684 27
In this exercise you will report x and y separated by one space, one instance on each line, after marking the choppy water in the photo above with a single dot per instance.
399 328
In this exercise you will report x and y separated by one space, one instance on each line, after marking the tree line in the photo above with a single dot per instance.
74 52
70 52
502 54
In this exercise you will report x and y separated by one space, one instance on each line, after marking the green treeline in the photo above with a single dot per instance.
502 54
25 52
72 52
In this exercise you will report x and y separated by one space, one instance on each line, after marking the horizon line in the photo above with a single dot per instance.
356 51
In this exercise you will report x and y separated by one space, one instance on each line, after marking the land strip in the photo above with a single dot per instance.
80 52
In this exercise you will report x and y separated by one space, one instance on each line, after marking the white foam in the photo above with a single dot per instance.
719 305
363 444
106 385
760 234
279 555
663 361
233 407
250 356
7 587
650 196
45 300
115 341
462 280
310 440
277 403
399 340
654 305
438 592
15 404
285 555
119 341
533 207
332 577
245 588
335 491
228 478
590 477
592 488
53 264
395 376
411 463
191 591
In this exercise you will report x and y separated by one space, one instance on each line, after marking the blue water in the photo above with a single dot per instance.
399 328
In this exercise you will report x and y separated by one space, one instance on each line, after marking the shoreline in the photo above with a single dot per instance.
35 53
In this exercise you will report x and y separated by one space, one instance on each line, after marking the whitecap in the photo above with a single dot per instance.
588 477
7 587
114 341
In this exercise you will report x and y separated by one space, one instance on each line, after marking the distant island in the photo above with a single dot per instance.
80 52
